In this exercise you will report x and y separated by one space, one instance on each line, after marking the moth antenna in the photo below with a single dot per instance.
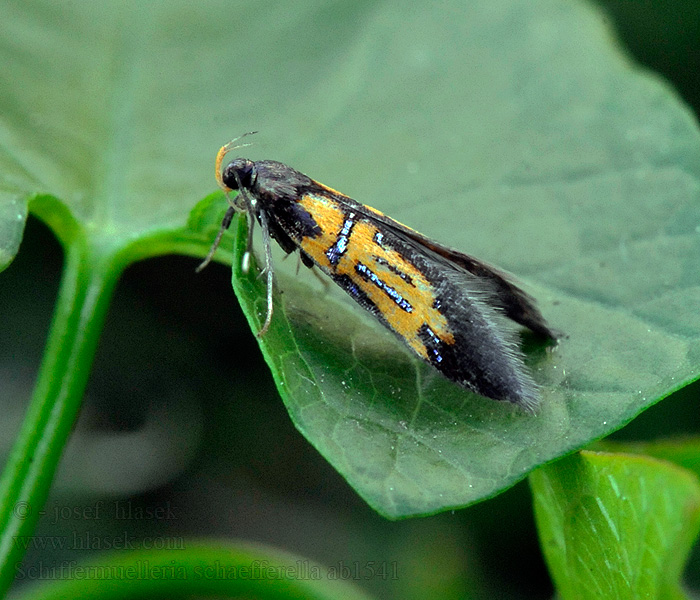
221 154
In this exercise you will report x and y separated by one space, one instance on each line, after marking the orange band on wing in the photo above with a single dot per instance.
401 292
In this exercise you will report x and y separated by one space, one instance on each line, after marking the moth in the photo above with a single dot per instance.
451 309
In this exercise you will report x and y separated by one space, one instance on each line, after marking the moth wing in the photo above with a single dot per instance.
486 345
483 354
477 345
515 303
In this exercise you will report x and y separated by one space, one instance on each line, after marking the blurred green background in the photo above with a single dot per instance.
155 432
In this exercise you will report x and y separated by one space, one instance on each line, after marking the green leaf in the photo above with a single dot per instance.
616 525
683 451
658 34
513 131
581 178
13 213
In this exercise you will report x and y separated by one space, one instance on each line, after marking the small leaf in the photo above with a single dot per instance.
683 451
616 525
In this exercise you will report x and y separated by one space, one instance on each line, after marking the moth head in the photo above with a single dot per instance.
238 173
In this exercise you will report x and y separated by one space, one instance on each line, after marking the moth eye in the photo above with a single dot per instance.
241 167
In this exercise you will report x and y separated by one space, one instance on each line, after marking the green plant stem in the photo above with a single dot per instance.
89 277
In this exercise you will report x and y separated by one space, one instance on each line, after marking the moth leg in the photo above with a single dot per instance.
323 280
305 259
267 244
245 261
224 226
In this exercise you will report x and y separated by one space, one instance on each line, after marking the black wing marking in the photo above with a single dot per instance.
482 353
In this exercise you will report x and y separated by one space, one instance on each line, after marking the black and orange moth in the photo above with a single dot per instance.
451 309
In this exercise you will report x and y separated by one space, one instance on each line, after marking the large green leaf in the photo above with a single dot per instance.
616 525
593 201
515 131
